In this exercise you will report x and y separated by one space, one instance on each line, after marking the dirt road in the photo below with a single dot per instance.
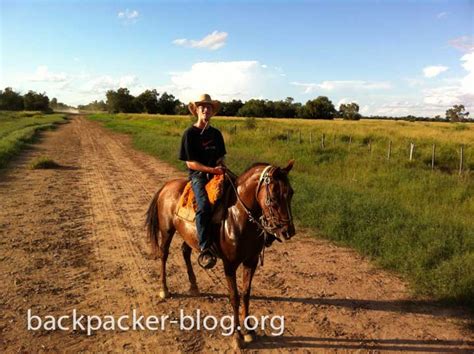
73 238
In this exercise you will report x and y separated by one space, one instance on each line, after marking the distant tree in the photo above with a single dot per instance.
182 109
148 101
34 101
457 113
167 104
349 111
11 100
285 109
121 101
230 109
54 103
256 108
319 108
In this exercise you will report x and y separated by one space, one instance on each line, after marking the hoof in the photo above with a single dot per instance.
164 293
194 291
249 337
238 342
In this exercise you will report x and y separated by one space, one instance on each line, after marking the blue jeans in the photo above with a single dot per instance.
204 210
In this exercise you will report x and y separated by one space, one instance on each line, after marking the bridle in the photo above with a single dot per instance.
272 223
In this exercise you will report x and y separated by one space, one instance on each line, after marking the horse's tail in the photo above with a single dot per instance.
152 223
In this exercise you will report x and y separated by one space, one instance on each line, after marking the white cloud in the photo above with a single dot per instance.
414 82
441 15
461 93
128 16
434 70
467 83
224 80
343 85
101 84
43 74
212 41
463 43
345 100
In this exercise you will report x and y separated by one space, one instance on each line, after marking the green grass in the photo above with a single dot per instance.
43 162
17 129
402 214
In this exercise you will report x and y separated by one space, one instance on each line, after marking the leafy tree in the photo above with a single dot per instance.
11 100
167 104
182 109
54 103
230 109
256 108
285 109
94 106
349 111
457 113
319 108
148 102
121 101
36 101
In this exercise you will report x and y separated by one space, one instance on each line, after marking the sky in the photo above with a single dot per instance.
393 58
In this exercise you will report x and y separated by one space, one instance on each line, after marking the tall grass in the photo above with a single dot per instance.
17 129
405 216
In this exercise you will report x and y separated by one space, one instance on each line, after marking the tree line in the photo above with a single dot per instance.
31 101
152 102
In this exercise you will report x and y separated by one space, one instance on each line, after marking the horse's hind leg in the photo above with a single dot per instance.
166 237
193 290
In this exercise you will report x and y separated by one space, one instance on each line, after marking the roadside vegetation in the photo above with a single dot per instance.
18 129
408 217
43 163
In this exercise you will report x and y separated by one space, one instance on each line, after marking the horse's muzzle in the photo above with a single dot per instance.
287 232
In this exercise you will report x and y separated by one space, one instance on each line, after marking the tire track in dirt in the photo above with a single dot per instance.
332 298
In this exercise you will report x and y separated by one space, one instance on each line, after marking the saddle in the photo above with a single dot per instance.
215 188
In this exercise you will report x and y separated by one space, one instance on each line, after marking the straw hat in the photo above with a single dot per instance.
204 98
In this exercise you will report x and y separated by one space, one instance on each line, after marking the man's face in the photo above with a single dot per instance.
204 112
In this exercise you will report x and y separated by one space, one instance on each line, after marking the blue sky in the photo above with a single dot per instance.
391 57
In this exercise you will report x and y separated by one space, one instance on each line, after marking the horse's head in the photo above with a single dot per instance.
274 195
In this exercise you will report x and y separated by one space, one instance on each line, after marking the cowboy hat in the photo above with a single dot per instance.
204 98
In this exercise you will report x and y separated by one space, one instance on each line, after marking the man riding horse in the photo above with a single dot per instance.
203 150
259 205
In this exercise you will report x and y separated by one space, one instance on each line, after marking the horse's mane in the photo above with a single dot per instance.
255 164
244 174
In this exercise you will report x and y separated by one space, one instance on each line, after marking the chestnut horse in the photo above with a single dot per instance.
260 205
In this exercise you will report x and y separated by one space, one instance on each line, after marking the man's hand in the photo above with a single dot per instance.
219 170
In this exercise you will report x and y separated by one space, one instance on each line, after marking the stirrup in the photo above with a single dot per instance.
212 261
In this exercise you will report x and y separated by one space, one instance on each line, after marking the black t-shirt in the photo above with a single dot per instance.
205 148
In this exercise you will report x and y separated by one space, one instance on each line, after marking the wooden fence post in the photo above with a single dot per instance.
322 141
412 150
389 153
461 159
310 138
299 136
433 153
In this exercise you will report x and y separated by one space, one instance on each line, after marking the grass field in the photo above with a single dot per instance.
17 129
402 214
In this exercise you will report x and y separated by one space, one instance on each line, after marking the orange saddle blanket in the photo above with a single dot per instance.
187 206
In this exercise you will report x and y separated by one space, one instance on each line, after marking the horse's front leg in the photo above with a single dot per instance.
248 272
230 270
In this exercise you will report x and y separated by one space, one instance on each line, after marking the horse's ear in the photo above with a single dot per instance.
288 168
